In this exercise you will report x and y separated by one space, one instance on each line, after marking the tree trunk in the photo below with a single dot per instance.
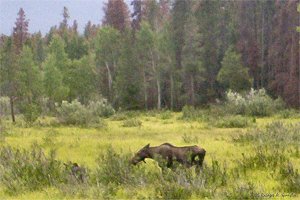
109 77
172 91
145 91
192 91
157 82
12 109
158 94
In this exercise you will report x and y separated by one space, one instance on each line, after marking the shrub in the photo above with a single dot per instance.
101 108
263 158
167 190
114 168
232 122
132 123
255 103
189 112
31 112
29 169
166 115
75 113
4 106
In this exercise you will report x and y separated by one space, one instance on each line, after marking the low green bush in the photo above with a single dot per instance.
75 113
263 158
235 121
29 169
4 106
31 112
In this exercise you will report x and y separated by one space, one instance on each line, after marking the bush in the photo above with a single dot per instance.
263 158
29 169
114 168
232 122
4 106
166 115
75 113
31 112
255 103
101 108
189 112
132 123
167 190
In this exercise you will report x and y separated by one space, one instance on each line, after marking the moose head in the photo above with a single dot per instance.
141 155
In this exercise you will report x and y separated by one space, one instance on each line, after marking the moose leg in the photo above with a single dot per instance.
170 162
199 163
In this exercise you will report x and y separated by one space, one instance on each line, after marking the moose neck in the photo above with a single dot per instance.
152 151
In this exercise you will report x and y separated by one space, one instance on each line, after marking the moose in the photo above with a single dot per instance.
187 155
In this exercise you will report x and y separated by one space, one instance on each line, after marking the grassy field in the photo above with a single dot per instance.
126 135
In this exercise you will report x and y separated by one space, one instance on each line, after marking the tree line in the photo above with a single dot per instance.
164 54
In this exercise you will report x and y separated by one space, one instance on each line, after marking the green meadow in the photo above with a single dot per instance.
241 162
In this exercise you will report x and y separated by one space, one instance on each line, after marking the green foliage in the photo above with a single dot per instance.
168 190
53 80
82 78
30 78
29 169
115 168
263 158
4 106
128 79
31 112
190 112
232 74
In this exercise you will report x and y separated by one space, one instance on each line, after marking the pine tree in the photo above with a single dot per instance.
20 31
233 75
116 14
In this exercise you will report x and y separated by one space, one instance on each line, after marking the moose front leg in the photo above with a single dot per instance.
170 162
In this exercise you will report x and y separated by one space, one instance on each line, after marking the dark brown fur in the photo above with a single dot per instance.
187 155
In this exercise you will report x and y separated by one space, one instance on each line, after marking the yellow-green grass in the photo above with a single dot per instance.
84 145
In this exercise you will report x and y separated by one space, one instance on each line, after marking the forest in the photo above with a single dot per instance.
163 55
224 75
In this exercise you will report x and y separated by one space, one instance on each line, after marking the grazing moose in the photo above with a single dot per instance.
187 155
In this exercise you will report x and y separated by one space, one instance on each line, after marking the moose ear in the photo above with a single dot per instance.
147 146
